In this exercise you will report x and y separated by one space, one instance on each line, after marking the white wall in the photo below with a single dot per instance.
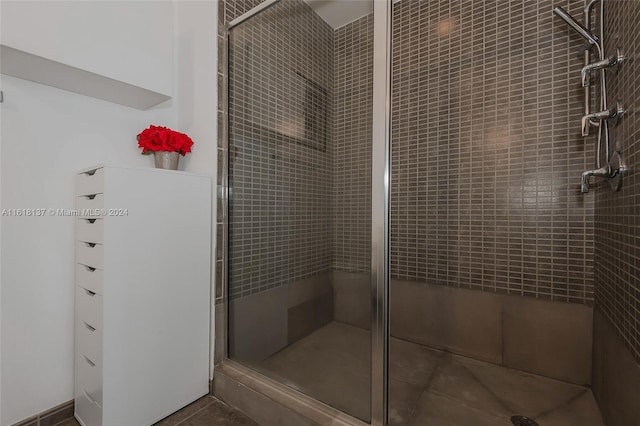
46 135
125 40
196 78
196 45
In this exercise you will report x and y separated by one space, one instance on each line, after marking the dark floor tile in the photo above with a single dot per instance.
462 391
520 392
218 414
186 412
580 411
412 363
69 422
403 398
57 417
455 381
33 421
435 409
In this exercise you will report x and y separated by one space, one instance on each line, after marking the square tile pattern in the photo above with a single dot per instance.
352 135
486 152
486 149
617 214
280 104
427 386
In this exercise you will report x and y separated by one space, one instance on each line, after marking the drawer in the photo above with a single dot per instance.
90 205
90 230
88 342
89 307
89 378
90 182
89 278
87 410
90 254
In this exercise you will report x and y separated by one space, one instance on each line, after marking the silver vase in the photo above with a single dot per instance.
166 160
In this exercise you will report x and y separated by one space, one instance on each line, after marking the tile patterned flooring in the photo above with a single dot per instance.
427 387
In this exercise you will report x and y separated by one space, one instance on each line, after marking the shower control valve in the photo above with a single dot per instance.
612 115
612 63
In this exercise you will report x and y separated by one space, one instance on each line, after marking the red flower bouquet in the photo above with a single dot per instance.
158 138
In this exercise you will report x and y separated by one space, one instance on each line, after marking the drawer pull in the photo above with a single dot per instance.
89 197
91 245
89 220
89 397
91 363
89 327
89 268
89 183
89 292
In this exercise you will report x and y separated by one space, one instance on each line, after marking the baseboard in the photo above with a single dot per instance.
50 417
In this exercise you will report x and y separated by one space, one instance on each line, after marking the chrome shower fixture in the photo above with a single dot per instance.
606 116
604 172
613 115
612 62
580 29
613 171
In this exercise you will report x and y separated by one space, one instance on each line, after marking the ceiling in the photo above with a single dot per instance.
337 13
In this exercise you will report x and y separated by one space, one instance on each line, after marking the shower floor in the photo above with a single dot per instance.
426 386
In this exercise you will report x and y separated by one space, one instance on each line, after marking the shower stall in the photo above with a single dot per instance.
402 234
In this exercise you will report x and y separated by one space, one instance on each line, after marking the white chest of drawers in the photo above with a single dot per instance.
143 239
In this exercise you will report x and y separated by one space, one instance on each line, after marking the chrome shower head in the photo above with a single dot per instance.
592 39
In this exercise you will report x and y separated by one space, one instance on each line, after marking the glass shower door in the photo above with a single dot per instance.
490 292
299 129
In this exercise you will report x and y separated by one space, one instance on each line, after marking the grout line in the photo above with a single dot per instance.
467 405
187 418
500 400
563 405
414 406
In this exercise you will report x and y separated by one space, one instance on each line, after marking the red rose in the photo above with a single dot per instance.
173 142
187 143
159 138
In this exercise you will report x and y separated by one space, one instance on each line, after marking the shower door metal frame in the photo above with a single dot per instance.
380 206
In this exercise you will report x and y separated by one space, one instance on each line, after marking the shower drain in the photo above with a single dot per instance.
523 421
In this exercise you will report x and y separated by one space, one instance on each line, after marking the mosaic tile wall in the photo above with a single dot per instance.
231 9
353 88
227 10
486 154
280 178
617 214
486 149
